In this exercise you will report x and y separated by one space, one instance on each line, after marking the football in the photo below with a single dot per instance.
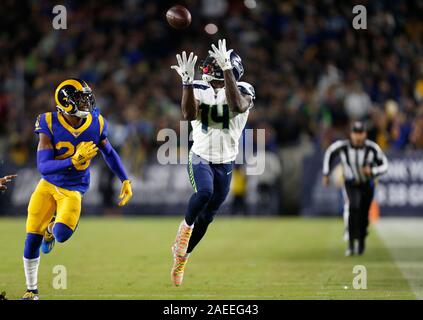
178 17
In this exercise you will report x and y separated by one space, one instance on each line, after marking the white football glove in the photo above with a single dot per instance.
185 67
223 57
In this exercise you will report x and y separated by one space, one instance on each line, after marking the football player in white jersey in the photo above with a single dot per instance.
218 107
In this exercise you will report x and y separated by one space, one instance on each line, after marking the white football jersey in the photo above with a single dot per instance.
217 130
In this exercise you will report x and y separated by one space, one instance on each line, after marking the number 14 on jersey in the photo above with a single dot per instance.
211 114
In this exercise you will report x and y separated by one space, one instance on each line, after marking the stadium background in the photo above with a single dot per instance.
313 73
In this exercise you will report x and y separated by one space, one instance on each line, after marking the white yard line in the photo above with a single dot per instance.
404 239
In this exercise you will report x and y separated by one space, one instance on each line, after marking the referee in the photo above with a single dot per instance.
362 161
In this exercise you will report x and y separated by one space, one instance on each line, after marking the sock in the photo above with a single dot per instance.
32 245
61 232
197 234
31 272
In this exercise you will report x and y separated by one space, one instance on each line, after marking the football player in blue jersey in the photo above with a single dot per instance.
68 140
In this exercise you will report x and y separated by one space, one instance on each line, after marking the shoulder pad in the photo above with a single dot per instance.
44 123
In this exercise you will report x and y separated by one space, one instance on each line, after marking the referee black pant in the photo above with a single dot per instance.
358 201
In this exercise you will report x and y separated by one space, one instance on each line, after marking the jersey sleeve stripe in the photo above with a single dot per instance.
200 86
49 121
101 122
247 91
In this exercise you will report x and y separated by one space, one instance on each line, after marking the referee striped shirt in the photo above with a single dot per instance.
353 159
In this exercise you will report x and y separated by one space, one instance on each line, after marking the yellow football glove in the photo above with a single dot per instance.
125 193
85 152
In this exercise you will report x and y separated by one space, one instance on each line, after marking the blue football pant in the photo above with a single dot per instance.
211 183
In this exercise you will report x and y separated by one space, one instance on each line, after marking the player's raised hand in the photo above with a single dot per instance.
125 193
85 152
5 180
222 56
185 67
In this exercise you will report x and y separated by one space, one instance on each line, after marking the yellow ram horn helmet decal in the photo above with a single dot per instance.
62 104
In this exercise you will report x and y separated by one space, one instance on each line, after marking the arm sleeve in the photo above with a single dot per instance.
47 165
330 155
113 161
381 161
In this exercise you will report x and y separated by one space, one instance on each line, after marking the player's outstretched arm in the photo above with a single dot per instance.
48 165
237 101
189 105
115 164
5 180
185 69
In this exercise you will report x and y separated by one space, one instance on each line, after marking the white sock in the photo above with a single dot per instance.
187 225
31 272
50 229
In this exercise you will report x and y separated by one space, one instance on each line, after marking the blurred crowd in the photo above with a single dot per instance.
312 71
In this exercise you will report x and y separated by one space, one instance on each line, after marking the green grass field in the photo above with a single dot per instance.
117 258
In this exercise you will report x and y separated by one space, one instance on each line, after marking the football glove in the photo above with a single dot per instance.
185 67
85 152
125 193
222 56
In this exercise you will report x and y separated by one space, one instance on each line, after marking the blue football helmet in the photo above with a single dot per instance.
211 71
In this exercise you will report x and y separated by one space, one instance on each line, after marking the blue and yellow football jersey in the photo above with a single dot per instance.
65 140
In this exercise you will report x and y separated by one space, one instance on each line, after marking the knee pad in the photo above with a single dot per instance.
61 232
32 245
